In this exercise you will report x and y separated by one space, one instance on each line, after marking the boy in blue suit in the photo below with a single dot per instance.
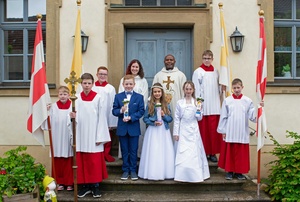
128 128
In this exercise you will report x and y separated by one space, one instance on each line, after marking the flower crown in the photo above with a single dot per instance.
157 87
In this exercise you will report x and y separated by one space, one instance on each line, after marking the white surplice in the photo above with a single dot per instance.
91 125
61 136
108 93
190 163
207 87
234 119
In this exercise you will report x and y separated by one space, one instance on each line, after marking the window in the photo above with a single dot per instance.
157 2
17 34
287 39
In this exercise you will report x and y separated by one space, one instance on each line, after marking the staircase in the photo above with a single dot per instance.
216 188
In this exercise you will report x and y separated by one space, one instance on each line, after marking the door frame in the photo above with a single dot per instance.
119 19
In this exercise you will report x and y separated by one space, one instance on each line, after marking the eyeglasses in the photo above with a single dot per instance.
206 58
102 74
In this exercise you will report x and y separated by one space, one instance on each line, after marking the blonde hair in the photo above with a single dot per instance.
128 77
64 89
191 84
164 104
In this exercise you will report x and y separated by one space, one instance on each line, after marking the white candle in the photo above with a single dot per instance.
126 112
158 111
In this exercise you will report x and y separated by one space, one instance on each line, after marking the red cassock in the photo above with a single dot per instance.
234 157
63 170
91 167
210 137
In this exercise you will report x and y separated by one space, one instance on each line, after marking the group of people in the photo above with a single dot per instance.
175 131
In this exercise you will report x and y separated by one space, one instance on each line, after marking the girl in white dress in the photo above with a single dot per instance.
157 158
190 163
135 68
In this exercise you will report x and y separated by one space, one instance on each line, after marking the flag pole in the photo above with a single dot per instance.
51 147
73 80
258 172
261 80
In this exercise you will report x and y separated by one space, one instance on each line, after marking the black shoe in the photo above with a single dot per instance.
213 158
133 176
240 176
84 191
125 176
229 176
96 192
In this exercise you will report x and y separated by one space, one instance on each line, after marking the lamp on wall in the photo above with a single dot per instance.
84 41
237 40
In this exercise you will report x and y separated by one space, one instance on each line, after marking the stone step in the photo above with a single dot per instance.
116 167
248 193
216 182
216 189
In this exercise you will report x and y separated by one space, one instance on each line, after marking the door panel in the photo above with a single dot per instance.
150 46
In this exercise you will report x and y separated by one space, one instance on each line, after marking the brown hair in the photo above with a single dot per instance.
192 85
208 52
164 104
102 67
141 70
87 76
237 81
64 89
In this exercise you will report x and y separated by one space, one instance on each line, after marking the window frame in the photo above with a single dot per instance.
25 26
293 24
158 4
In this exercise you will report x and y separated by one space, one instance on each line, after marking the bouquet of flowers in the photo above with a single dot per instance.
125 103
199 105
158 111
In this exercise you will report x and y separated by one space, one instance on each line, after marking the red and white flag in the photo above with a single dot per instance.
261 81
39 95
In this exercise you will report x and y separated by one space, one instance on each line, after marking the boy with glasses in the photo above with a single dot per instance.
107 92
206 80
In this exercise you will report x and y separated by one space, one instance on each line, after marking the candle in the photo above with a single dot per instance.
158 111
199 106
126 112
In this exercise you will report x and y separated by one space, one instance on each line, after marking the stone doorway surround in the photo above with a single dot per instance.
118 18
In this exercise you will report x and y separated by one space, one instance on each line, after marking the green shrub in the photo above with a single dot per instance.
284 179
22 173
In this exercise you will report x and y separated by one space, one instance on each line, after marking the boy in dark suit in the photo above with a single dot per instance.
128 128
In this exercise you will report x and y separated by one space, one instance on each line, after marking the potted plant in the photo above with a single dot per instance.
19 174
286 70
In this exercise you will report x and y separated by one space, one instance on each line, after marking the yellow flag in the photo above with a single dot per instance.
225 74
77 55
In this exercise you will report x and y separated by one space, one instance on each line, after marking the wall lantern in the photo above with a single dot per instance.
237 40
84 41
